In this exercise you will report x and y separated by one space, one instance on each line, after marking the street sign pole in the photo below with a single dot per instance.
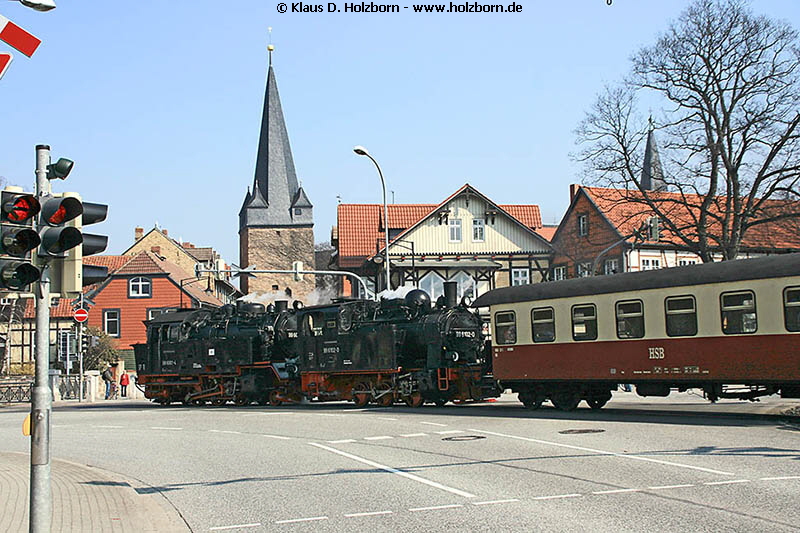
81 348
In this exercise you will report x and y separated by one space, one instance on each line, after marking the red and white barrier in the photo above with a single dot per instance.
25 42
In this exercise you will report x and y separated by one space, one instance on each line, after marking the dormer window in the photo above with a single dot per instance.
139 288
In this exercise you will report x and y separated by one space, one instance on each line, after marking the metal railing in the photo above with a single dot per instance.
15 391
69 387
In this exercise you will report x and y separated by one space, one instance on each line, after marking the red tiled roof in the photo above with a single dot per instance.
113 262
547 232
624 212
527 214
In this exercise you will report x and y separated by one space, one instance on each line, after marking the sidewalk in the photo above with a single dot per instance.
84 499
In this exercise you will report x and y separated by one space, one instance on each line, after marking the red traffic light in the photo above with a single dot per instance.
20 208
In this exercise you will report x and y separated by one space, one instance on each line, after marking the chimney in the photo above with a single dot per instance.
165 233
573 190
138 233
156 250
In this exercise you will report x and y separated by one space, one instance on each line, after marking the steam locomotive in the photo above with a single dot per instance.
394 350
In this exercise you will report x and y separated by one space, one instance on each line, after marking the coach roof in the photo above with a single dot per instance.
775 266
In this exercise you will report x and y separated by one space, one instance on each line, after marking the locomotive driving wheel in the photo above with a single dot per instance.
414 399
275 398
361 394
384 396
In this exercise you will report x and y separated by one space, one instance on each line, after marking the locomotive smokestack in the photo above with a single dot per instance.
281 305
450 293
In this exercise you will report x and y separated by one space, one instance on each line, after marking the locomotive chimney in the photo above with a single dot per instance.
281 305
450 293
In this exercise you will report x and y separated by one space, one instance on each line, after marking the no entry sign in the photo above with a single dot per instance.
80 315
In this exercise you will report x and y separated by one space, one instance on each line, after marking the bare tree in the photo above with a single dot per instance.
727 81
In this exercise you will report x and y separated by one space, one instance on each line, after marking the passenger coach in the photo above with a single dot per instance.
727 328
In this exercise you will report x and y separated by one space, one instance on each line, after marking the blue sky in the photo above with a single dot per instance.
159 102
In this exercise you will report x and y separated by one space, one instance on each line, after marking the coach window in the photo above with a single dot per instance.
681 316
738 312
544 324
630 320
791 308
584 323
505 328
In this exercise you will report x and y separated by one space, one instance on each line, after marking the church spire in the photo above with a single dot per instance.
652 174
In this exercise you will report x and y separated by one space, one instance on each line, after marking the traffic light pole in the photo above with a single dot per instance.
41 397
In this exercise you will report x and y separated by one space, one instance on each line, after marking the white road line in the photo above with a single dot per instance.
108 427
664 487
510 500
614 491
159 427
382 437
312 519
225 431
727 482
373 513
343 441
450 432
395 471
434 424
276 437
558 497
436 507
415 435
239 526
328 414
265 414
386 418
780 478
603 452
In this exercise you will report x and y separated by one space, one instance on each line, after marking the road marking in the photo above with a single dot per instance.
293 520
328 414
108 427
614 491
221 528
395 471
373 513
266 414
382 437
276 437
343 441
450 432
172 429
434 424
225 431
558 497
386 418
727 482
603 452
781 478
664 487
415 435
510 500
436 507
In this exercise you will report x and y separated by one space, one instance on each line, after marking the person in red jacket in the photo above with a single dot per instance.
123 383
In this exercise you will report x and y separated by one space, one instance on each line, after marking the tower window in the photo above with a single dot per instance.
298 211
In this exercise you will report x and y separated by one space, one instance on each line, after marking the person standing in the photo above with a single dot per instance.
108 377
124 380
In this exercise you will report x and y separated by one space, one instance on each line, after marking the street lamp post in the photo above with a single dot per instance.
360 150
39 5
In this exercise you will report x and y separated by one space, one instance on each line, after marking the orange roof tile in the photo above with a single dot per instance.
113 262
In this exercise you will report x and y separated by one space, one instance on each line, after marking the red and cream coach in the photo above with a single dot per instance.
730 329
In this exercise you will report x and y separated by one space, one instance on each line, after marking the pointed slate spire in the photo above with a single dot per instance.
275 186
652 174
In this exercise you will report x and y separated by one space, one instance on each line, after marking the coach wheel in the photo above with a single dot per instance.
530 400
440 402
565 401
387 399
361 394
275 398
414 399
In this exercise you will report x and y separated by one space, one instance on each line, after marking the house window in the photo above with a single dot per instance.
478 226
505 328
791 308
630 320
584 323
111 322
559 273
681 316
466 285
611 266
520 276
544 324
298 211
433 284
155 311
738 312
651 264
583 225
139 288
584 270
455 229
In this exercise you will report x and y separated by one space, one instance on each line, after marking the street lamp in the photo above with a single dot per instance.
360 150
39 5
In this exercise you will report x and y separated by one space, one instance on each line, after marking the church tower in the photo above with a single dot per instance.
276 222
652 174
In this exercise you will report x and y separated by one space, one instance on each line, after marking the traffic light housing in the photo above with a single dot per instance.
17 239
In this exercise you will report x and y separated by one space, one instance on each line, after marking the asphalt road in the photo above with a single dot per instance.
675 464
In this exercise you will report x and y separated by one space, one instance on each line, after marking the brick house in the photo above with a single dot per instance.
466 238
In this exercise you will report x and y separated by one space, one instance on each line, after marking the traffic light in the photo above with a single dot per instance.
17 239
